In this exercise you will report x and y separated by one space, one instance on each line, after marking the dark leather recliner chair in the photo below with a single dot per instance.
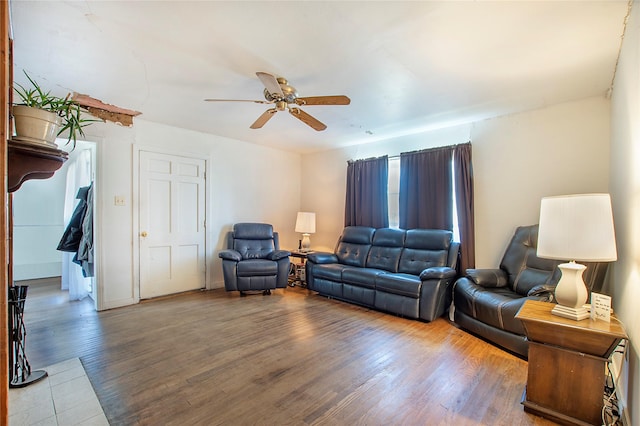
485 301
253 260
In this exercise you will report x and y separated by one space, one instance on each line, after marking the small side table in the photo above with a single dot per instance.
299 277
567 359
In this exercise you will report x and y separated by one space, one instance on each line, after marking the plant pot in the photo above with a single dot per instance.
36 125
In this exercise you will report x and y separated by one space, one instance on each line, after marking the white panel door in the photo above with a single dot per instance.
172 224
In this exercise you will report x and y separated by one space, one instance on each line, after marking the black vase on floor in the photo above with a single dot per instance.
20 374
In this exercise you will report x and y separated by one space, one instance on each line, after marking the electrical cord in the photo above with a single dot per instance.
610 414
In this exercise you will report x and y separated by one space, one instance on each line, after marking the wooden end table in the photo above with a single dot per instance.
567 359
299 276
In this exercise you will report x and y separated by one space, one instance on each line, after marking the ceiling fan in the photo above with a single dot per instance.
283 96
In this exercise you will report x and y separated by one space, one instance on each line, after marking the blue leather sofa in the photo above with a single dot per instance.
486 301
404 272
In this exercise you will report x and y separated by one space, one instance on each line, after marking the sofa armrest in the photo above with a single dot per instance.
230 255
322 257
488 277
545 291
278 254
437 273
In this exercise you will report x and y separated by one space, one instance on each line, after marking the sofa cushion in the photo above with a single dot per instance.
386 258
259 267
388 237
401 284
414 261
424 248
530 278
524 268
352 254
362 277
386 249
253 249
253 240
357 234
331 271
428 239
354 244
496 307
253 231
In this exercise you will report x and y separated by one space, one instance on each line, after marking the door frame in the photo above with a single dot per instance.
135 210
92 144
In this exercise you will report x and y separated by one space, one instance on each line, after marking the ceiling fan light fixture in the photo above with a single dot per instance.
289 92
278 93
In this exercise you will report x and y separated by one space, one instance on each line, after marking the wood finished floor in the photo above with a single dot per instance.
292 358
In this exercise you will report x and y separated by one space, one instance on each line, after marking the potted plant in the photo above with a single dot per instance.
41 116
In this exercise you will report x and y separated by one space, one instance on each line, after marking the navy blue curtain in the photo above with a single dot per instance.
366 201
426 189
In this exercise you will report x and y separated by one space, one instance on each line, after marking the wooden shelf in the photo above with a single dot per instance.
26 160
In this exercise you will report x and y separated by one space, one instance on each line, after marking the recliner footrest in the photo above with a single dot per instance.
257 267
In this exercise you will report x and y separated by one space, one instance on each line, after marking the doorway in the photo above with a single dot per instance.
171 215
41 213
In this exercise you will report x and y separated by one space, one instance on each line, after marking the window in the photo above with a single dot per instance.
393 193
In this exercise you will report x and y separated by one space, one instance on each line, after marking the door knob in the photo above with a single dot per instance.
143 234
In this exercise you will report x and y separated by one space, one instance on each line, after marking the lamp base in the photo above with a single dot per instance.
306 244
576 314
571 293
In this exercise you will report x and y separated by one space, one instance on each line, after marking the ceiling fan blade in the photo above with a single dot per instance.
262 120
236 100
307 119
324 100
270 83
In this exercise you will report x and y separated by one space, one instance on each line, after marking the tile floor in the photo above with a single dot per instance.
65 397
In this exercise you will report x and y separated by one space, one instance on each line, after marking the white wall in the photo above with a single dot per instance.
520 158
625 193
517 160
246 182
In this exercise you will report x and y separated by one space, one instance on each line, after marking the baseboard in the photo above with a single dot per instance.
216 285
112 304
32 271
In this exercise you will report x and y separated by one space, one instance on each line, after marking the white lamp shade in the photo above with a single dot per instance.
577 227
306 223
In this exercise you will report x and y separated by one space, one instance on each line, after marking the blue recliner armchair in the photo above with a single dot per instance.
253 260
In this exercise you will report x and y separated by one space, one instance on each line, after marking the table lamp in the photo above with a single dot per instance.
576 228
306 224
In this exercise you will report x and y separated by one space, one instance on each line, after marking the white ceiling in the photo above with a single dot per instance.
407 66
